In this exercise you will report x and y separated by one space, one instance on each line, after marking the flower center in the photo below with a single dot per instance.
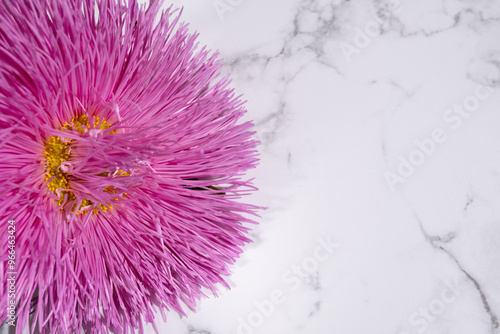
58 154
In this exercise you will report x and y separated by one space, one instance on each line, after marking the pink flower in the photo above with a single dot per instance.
123 161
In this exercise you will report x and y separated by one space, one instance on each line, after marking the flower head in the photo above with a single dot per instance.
123 164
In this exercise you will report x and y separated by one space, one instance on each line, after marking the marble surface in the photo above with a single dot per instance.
380 163
380 166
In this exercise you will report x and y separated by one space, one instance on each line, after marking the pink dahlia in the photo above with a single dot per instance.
123 160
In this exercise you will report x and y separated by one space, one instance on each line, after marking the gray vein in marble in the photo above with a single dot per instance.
192 330
392 23
489 63
272 123
327 28
458 19
317 308
493 318
479 15
313 281
403 31
438 242
470 200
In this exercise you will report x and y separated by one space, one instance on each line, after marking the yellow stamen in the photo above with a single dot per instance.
57 151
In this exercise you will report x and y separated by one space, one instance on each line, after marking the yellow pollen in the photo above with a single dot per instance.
57 151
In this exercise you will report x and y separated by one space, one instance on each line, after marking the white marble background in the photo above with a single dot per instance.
379 123
380 162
